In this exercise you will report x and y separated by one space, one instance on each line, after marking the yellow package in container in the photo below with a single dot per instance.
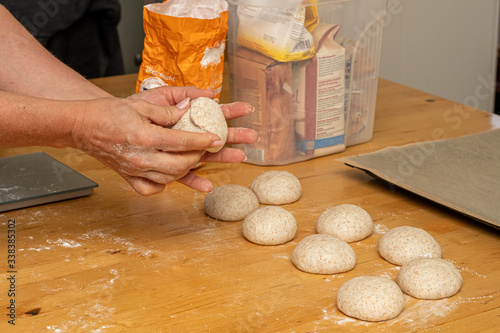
283 34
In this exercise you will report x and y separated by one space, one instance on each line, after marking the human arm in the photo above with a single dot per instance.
27 68
46 103
128 135
122 134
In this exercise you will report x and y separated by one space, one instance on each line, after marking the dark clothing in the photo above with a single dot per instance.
81 33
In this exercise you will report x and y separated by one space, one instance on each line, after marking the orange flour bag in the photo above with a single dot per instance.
184 44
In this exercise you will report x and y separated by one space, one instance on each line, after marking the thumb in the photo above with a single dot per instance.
168 115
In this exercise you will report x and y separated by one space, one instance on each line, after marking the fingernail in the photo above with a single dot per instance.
246 158
216 143
183 104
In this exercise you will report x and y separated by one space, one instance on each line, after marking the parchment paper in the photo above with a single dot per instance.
461 173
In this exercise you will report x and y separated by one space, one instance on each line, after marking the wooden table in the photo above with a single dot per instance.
119 262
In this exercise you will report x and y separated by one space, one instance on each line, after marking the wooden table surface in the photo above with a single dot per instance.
119 262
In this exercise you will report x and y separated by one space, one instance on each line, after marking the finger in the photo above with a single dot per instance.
160 177
173 140
176 94
237 109
194 92
145 187
172 95
242 135
225 155
166 167
162 115
167 175
196 182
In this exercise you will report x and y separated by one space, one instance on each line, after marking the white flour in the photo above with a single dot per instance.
65 243
380 229
417 314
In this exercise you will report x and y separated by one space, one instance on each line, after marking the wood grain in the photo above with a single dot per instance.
119 262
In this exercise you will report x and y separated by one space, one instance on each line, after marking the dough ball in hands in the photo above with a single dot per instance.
347 222
402 244
276 187
230 202
371 298
323 254
429 278
271 225
204 115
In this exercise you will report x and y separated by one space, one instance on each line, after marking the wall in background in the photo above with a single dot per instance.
445 47
131 33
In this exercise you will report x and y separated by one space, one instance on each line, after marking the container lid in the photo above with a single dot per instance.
283 3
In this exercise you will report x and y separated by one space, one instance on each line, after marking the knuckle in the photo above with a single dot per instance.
178 169
134 164
141 137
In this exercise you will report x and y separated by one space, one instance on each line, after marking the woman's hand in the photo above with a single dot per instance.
132 136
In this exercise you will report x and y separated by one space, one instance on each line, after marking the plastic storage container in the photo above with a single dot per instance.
310 69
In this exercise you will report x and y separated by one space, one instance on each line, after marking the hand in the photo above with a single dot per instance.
129 136
175 95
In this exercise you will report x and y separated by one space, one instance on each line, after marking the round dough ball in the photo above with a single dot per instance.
204 115
271 225
372 298
347 222
323 254
402 244
429 278
276 187
230 202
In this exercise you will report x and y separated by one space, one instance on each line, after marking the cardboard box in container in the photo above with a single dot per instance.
301 119
319 97
267 85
